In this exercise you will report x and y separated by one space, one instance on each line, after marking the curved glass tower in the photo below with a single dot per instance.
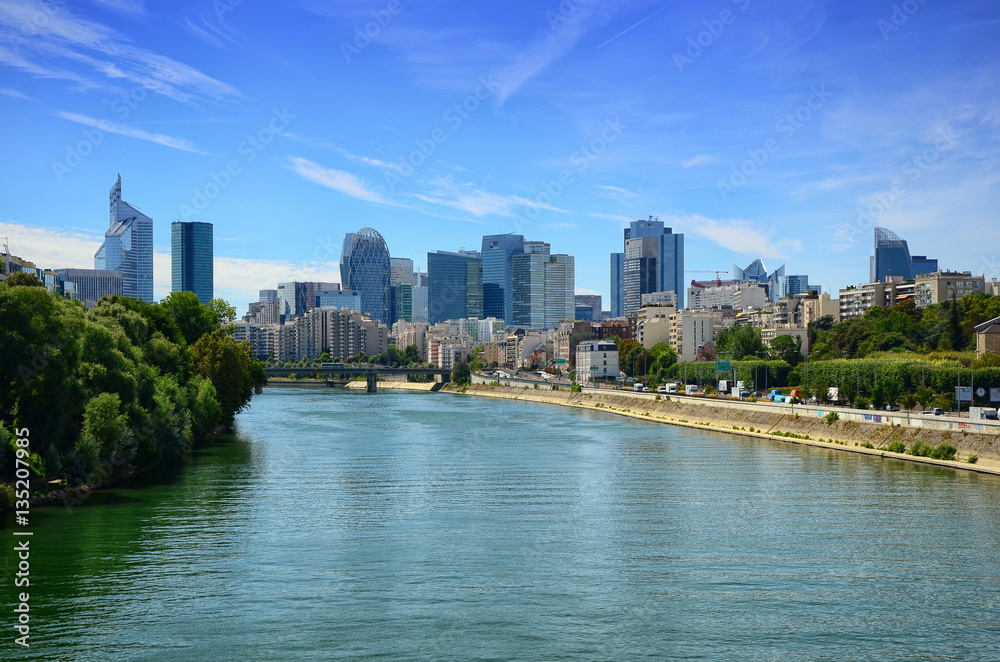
364 267
892 256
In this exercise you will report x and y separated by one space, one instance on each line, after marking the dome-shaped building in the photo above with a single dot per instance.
364 267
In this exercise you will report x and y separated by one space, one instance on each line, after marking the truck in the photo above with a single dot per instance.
775 394
983 413
691 389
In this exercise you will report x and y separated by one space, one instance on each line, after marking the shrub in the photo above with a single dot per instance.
861 402
576 388
944 452
832 418
973 459
896 447
867 445
921 449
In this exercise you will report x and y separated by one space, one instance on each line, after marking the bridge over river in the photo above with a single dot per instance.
370 372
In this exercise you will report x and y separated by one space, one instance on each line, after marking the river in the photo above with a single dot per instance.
445 527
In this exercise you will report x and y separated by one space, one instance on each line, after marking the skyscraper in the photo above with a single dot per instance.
455 286
664 260
498 274
191 259
544 287
365 267
128 246
891 258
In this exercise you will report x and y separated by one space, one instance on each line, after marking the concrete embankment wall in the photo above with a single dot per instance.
847 433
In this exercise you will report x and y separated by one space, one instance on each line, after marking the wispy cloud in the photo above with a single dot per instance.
632 27
617 192
128 7
476 201
324 144
737 235
701 159
338 180
130 131
14 94
54 35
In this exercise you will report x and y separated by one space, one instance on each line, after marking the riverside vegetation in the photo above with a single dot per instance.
116 390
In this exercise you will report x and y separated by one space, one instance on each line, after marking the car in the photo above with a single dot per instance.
662 388
936 411
892 407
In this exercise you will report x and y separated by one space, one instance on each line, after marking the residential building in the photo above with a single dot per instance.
693 329
128 246
365 268
727 294
455 285
192 259
988 336
566 338
660 298
411 333
855 301
339 333
815 309
596 360
802 335
946 285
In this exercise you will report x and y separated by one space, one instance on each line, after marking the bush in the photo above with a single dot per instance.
921 449
576 388
861 402
973 459
896 447
944 452
832 418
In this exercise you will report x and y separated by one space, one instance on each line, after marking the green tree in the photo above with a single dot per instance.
739 341
787 348
925 396
460 373
22 279
231 368
192 318
412 354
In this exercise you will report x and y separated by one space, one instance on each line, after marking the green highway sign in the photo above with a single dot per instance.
723 366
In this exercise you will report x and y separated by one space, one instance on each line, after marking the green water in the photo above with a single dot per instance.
434 526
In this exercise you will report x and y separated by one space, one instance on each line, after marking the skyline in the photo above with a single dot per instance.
456 122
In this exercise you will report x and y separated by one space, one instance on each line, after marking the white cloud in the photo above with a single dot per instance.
737 235
338 180
44 33
700 159
617 192
130 132
132 7
476 201
14 94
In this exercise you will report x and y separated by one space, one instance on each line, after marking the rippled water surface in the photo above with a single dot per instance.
433 526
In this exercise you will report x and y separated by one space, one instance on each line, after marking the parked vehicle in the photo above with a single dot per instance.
892 407
773 395
672 388
936 411
983 413
639 387
744 395
662 388
691 389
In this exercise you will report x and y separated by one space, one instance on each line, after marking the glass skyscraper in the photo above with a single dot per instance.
128 246
455 286
892 257
498 274
544 288
364 266
667 264
191 259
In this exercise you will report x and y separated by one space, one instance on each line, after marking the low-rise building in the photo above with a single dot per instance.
942 286
988 336
596 360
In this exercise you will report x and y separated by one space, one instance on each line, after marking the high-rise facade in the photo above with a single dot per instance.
544 288
365 267
498 274
128 246
661 268
455 285
891 258
191 259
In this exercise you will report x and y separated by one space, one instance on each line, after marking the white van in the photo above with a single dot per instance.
691 389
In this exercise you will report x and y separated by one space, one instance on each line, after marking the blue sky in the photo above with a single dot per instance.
778 130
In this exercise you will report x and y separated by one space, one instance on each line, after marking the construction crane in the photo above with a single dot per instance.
718 281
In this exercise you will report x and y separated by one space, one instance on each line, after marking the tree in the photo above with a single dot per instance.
739 341
231 368
192 318
476 358
412 354
788 349
22 279
924 396
460 373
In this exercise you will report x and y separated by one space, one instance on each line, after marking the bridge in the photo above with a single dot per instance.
370 372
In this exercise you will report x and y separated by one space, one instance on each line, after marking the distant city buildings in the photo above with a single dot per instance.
365 268
191 259
128 246
652 261
498 253
596 360
892 258
588 307
455 285
544 287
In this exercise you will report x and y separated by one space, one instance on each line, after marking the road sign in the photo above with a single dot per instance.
995 394
723 366
963 393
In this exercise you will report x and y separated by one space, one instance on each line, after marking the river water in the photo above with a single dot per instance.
446 527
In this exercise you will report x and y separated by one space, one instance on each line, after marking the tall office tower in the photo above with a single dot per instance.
617 285
668 257
400 270
191 259
419 279
455 286
401 288
364 267
498 274
923 265
892 257
588 307
420 303
794 284
640 271
128 246
544 287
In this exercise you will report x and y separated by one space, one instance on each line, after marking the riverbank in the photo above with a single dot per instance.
849 436
357 385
